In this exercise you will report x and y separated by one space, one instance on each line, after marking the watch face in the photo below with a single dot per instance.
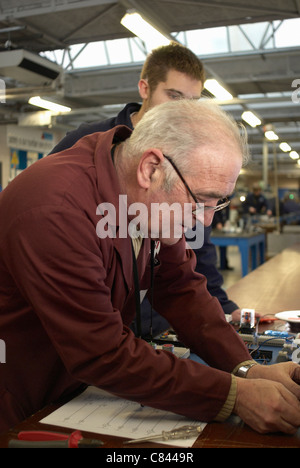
243 370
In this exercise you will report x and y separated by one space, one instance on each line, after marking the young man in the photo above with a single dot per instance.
169 73
67 288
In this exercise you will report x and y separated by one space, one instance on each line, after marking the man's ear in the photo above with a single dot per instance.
144 89
149 166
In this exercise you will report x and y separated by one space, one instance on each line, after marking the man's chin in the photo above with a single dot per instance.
169 240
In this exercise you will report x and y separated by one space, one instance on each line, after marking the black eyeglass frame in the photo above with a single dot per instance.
199 209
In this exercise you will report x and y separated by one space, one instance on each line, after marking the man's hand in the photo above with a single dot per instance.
268 399
236 315
267 406
287 373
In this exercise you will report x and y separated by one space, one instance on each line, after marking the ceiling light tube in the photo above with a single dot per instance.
251 119
294 155
270 135
141 28
285 147
45 104
217 90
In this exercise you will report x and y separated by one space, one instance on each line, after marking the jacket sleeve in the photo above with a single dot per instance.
194 314
65 284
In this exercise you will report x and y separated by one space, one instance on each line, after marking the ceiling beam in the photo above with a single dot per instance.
25 11
238 6
88 22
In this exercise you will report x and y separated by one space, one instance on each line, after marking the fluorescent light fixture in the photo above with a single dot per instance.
251 118
270 135
45 104
294 155
285 147
217 90
141 28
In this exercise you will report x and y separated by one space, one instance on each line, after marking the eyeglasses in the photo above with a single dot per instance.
199 210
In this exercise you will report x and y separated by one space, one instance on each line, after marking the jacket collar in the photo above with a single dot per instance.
109 191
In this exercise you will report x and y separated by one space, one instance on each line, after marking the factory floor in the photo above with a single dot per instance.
234 261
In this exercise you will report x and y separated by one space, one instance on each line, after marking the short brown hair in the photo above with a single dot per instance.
174 56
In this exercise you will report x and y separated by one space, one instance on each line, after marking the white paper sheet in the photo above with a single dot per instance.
98 411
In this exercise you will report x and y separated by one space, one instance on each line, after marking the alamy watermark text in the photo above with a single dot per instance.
161 221
296 93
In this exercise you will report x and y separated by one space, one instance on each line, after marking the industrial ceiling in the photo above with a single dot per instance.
265 80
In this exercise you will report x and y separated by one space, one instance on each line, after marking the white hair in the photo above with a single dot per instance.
178 128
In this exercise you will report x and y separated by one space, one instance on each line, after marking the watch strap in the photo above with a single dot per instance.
243 370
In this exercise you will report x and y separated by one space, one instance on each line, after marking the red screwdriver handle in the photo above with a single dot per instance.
44 435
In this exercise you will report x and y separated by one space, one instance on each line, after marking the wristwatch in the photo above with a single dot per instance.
243 370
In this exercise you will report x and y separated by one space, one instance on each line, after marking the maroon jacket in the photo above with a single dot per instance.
67 298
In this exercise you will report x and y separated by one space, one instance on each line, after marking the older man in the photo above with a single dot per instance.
169 73
68 277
